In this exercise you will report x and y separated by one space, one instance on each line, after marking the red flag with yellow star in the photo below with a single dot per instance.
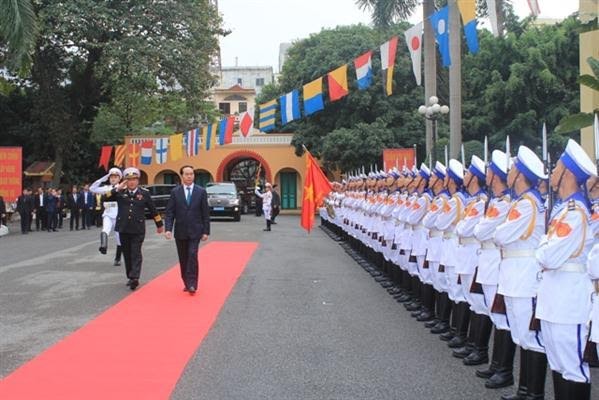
316 188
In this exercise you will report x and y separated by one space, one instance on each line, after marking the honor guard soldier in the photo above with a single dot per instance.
475 352
434 250
564 294
518 238
593 270
446 222
500 371
113 177
131 222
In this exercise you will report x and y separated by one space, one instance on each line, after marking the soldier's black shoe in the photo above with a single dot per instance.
456 342
501 379
103 242
476 357
432 323
443 329
381 278
192 290
134 284
416 313
413 306
129 282
488 372
425 316
463 352
116 263
405 298
519 395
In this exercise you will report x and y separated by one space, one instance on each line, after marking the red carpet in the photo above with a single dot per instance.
138 348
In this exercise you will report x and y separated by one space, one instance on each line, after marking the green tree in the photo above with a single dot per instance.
18 31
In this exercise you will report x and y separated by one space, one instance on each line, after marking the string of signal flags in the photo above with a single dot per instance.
336 80
220 133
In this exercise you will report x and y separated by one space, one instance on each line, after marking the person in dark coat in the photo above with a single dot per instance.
51 209
132 202
25 208
87 203
2 211
187 211
73 206
275 204
40 209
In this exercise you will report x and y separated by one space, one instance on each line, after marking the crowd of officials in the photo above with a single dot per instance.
49 207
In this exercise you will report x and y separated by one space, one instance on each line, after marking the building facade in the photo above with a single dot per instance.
271 157
246 77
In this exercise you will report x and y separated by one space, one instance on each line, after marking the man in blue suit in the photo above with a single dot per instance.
187 210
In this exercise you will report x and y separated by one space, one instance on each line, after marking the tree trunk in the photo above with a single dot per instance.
58 161
430 66
455 80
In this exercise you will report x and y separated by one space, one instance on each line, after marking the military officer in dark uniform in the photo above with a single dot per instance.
131 223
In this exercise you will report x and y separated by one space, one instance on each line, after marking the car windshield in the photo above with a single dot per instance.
222 189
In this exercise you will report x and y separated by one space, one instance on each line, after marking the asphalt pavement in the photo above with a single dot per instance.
303 322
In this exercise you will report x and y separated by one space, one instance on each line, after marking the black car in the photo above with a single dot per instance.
160 195
223 200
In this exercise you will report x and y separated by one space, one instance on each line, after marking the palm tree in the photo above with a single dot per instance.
18 30
387 12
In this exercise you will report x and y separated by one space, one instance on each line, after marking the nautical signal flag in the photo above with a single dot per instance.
133 154
440 23
363 65
267 116
337 82
246 122
176 146
388 52
316 188
146 152
119 155
161 150
290 108
192 142
225 130
468 13
105 154
414 42
209 135
313 100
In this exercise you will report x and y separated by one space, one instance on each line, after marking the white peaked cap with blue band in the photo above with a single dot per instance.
477 167
576 160
456 171
530 165
499 164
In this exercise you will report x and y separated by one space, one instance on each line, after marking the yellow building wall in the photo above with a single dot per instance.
589 99
274 151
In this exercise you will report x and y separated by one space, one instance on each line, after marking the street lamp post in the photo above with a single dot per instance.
433 112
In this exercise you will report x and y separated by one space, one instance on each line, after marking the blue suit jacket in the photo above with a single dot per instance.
190 222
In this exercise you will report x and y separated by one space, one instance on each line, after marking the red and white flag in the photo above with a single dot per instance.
388 52
246 122
534 7
414 42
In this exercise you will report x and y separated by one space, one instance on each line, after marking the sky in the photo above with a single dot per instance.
259 26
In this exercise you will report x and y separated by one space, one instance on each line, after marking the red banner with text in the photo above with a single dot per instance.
11 172
398 158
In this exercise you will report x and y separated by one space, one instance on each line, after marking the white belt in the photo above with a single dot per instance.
517 253
386 218
448 235
418 227
435 233
572 267
110 204
468 240
487 244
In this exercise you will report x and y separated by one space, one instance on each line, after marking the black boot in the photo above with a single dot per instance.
558 385
523 380
487 373
537 371
480 355
504 375
267 229
103 242
117 257
574 390
462 326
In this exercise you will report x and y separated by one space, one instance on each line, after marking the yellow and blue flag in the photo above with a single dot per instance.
440 23
468 12
313 100
267 116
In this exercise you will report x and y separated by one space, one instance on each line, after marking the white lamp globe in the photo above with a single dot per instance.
433 100
436 108
444 109
422 110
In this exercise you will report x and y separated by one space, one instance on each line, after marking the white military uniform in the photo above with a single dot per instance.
266 202
564 297
111 208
